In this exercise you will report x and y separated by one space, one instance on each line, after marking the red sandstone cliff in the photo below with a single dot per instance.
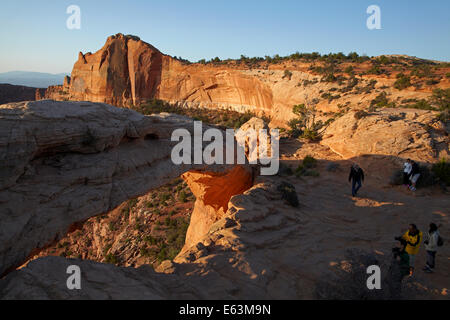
127 72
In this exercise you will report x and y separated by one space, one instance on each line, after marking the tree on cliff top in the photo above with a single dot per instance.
305 124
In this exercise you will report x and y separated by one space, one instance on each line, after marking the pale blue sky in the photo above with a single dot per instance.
35 38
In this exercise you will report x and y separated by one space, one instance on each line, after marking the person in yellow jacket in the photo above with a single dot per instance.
413 238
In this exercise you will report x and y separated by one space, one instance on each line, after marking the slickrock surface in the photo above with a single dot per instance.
260 248
406 133
64 162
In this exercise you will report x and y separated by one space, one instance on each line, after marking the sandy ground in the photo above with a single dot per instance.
336 221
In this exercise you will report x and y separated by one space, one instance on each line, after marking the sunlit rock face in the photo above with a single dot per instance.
64 162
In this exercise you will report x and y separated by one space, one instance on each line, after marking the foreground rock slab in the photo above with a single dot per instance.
64 162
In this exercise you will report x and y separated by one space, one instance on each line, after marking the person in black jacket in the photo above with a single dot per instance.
414 175
356 177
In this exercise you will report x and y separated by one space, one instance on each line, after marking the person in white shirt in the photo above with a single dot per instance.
431 245
407 167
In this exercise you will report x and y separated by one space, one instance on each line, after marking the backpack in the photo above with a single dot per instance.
440 241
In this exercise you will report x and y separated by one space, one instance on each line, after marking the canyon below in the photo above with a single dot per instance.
87 178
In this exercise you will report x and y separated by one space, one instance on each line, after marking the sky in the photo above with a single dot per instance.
34 35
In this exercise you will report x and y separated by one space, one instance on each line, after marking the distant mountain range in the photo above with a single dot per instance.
32 79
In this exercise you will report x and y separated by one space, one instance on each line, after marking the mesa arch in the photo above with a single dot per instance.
64 162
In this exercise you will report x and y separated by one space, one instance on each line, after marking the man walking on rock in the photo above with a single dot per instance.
356 177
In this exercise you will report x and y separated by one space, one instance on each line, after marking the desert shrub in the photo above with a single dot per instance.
349 70
285 170
112 226
310 134
441 172
329 78
287 74
165 197
375 70
381 101
427 177
111 258
441 97
182 196
360 114
288 193
330 97
423 71
447 75
150 240
300 171
420 104
444 116
403 81
162 254
309 162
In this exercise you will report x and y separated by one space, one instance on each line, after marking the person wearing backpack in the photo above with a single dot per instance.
414 175
413 238
432 242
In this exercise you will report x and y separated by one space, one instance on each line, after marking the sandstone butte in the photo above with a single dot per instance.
127 72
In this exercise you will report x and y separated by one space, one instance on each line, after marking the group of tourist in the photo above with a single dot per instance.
410 245
411 240
411 174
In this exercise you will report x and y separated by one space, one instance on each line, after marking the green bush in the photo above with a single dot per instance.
441 97
300 171
285 170
150 240
287 74
375 70
444 116
421 104
111 259
182 196
309 162
329 78
310 134
349 70
381 101
288 193
403 81
427 178
441 171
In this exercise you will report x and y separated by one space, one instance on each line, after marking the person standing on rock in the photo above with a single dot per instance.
413 238
431 245
407 167
356 177
414 175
